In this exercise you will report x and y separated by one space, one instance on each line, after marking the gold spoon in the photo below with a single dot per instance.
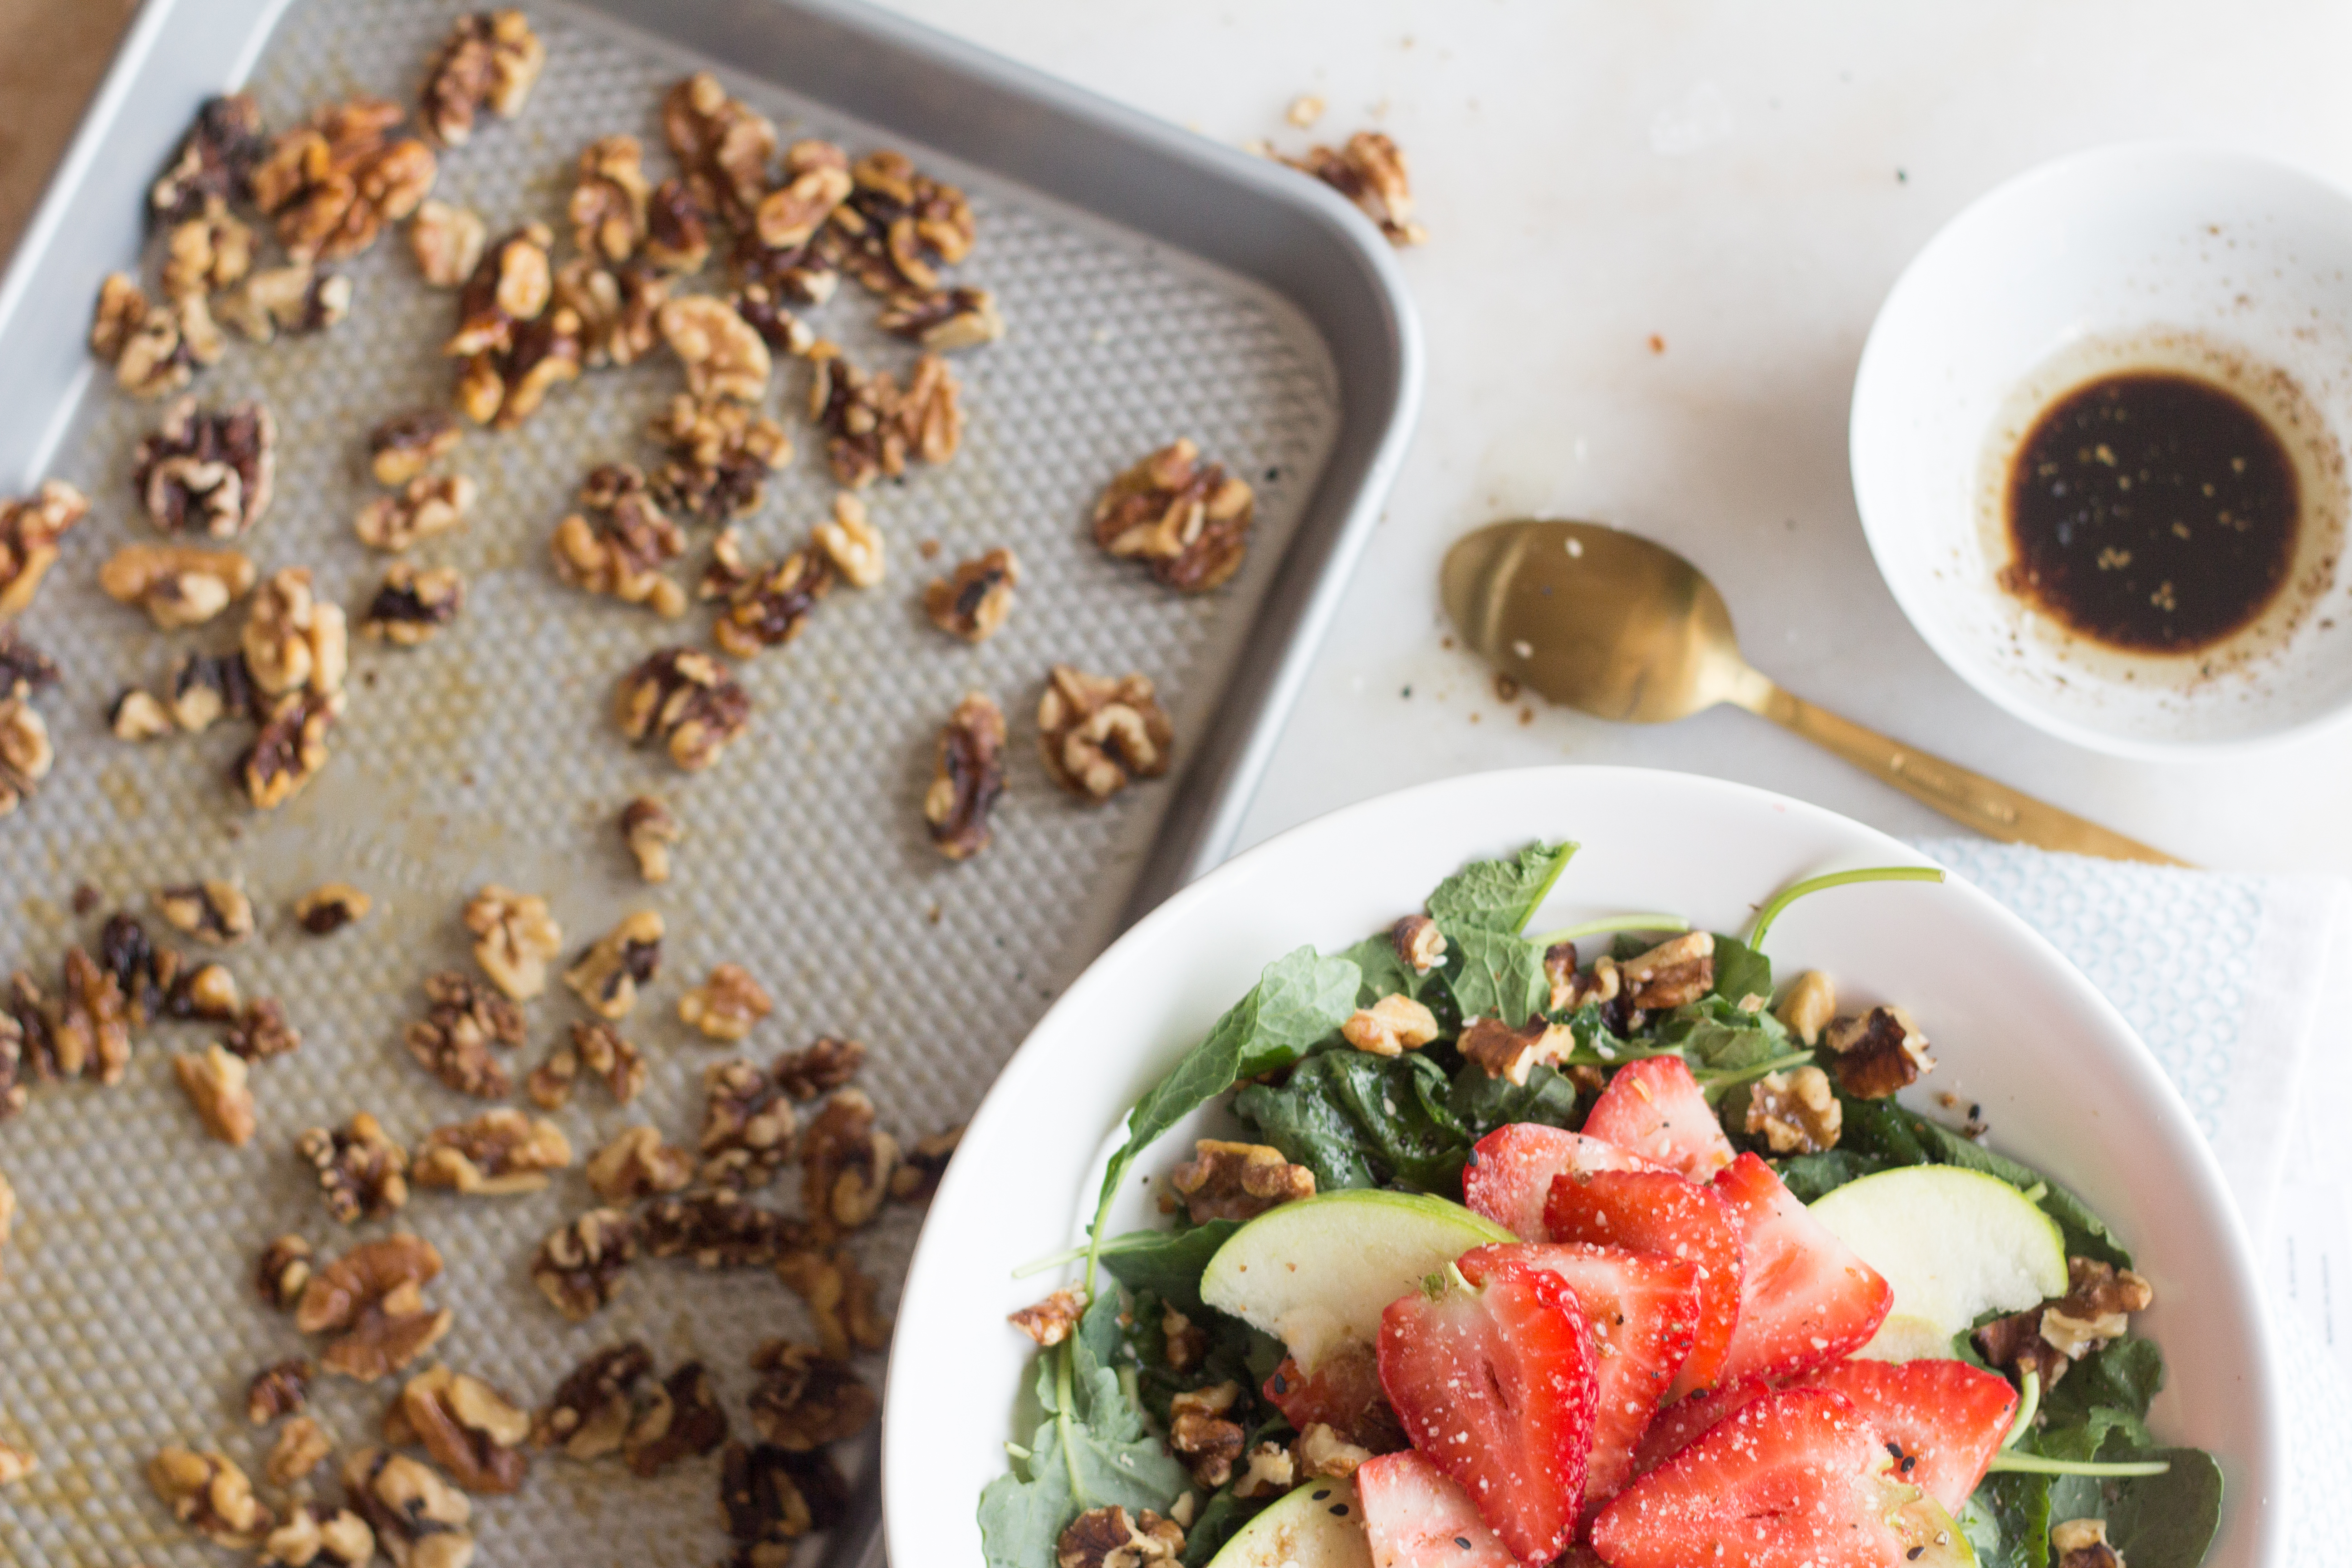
1626 629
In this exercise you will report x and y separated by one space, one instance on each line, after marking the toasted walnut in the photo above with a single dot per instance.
1203 1436
27 754
419 1520
404 446
607 974
970 778
772 1496
24 670
200 471
2096 1308
720 455
490 58
2082 1543
290 748
411 604
637 1165
214 162
1109 1537
618 541
1679 970
944 319
771 604
293 640
1268 1471
782 330
276 1391
678 228
282 1271
177 586
723 146
975 600
601 1052
30 527
592 1409
206 251
470 1429
845 1164
1421 946
503 387
1098 735
329 907
496 1153
851 542
206 991
840 1300
619 308
302 1446
805 1399
648 829
1321 1452
511 285
215 1083
726 1005
515 935
897 224
1184 1343
211 1495
205 690
1877 1053
371 1298
1571 989
804 274
1505 1052
363 1173
1238 1181
931 417
333 184
1050 1321
1795 1112
682 1419
137 715
862 416
820 1067
1391 1027
295 299
153 345
723 356
717 1228
923 1164
1189 520
90 1032
743 1110
816 180
686 699
315 1535
608 199
1370 172
427 505
453 1039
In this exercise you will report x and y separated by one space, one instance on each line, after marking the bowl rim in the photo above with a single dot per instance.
2253 1503
1958 654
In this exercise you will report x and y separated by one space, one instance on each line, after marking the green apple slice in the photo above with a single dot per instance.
1953 1244
1318 1273
1319 1525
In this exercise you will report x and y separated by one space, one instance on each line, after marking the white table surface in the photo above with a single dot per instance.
1743 182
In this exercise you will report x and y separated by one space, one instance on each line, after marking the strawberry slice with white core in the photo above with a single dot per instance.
1681 1423
1419 1517
1942 1420
1805 1299
1490 1368
1343 1394
1510 1173
1796 1479
1655 1109
1642 1309
1660 1212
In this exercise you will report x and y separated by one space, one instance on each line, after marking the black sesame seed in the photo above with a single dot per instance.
1463 1542
1324 1493
1338 1511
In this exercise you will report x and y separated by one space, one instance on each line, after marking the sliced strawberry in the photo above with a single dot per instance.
1657 1211
1945 1417
1805 1299
1493 1376
1643 1309
1654 1107
1510 1173
1796 1478
1680 1424
1419 1517
1344 1394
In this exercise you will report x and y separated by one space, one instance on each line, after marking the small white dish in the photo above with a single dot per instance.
2060 1076
2157 256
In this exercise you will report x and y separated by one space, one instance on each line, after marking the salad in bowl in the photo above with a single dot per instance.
1475 1244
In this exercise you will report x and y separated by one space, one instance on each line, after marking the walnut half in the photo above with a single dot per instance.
970 778
371 1298
1238 1181
1190 520
1097 734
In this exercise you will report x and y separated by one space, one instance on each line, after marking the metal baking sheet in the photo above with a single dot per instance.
1155 285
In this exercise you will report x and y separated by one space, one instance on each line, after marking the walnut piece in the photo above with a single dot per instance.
721 454
821 1068
514 936
293 640
603 1052
782 330
452 1041
717 1228
816 180
1505 1052
896 225
424 505
2051 1337
30 527
1421 946
637 1164
682 1419
1201 1433
608 198
618 541
214 161
1098 735
282 1271
371 1298
446 241
177 586
314 1534
871 426
943 319
419 1520
1678 970
973 603
686 699
726 1005
923 1164
744 1114
1878 1053
489 58
91 1030
27 754
970 778
1808 1005
1050 1321
302 1446
295 299
2082 1543
722 146
512 346
851 542
1370 172
1795 1112
1238 1181
154 346
498 1152
1109 1537
335 183
593 1408
577 1268
204 689
770 605
412 605
363 1173
1189 520
607 974
215 1083
678 228
619 308
278 1390
405 446
840 1300
723 355
845 1164
805 1399
1391 1027
469 1429
202 471
649 829
290 747
211 1495
771 1497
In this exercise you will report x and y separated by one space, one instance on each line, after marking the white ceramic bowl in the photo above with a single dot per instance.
2061 1077
2185 255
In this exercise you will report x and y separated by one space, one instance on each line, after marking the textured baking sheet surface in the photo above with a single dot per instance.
127 1316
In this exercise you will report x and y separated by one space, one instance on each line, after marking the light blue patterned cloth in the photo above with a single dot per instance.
2239 985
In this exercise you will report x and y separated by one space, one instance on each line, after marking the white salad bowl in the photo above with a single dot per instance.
2064 1083
2193 258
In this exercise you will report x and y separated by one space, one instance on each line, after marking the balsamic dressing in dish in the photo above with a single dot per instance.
2151 510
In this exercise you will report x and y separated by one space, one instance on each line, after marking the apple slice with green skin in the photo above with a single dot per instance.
1319 1525
1318 1273
1953 1243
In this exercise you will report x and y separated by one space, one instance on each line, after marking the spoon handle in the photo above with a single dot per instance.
1992 809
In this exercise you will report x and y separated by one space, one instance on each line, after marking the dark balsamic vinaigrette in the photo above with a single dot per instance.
2152 511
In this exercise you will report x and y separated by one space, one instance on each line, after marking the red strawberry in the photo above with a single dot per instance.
1491 1371
1796 1479
1679 1424
1643 1309
1805 1299
1344 1394
1653 1108
1419 1517
1657 1211
1945 1417
1510 1173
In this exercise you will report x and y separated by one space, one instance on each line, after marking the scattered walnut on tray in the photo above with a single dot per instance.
682 1419
333 184
468 1427
637 1164
411 605
211 1495
489 59
943 319
372 1299
608 971
1189 520
30 527
872 427
619 308
419 1520
618 541
214 161
687 700
177 586
721 454
206 471
591 1411
511 344
851 542
295 299
514 936
1098 735
496 1154
973 603
770 604
970 779
722 146
772 1496
423 507
452 1040
897 225
27 754
446 241
806 1399
579 1267
279 1389
363 1173
405 446
649 831
723 355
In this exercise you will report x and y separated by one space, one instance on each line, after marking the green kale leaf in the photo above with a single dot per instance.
1168 1263
1482 1103
1499 895
1741 971
1360 1120
1810 1176
1495 972
2168 1520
